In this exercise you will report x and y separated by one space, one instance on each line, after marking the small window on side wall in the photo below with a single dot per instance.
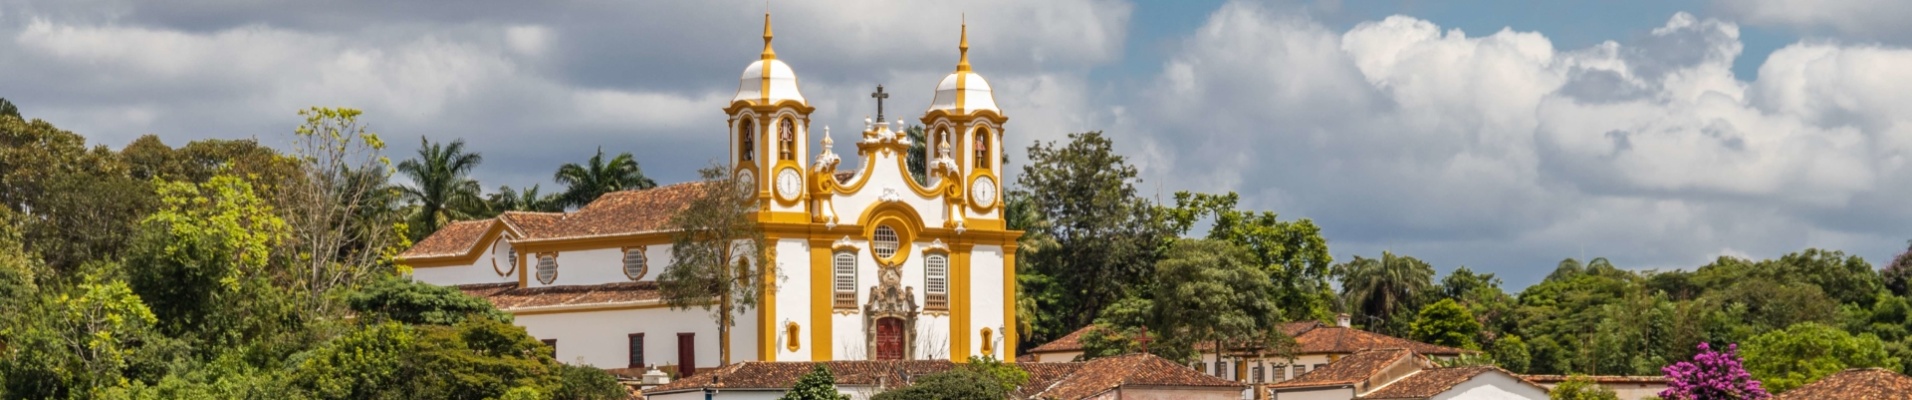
635 263
843 268
547 268
936 282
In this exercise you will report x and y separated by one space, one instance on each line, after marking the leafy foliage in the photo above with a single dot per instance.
1380 288
716 249
981 378
1712 376
1446 323
1804 353
585 182
1204 291
441 189
1579 387
413 303
819 384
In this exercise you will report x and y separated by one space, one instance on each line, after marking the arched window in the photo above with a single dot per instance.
982 148
635 264
547 268
791 333
884 243
786 139
936 142
936 282
747 136
843 274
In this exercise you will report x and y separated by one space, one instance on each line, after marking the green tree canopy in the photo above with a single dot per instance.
716 248
819 384
1292 253
981 378
585 182
1380 288
1580 387
414 303
1446 323
1203 291
441 188
1804 353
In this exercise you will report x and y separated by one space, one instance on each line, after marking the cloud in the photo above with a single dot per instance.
1865 19
1505 151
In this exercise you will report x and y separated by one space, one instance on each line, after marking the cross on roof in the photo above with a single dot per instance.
879 96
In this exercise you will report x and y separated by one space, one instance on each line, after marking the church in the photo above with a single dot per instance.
868 264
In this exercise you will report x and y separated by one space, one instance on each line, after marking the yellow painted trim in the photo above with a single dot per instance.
788 217
869 152
555 267
994 202
959 306
767 302
820 300
899 217
792 198
1009 338
792 333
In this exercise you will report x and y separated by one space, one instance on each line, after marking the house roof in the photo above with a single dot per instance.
1433 382
509 297
1855 384
1070 381
1602 379
783 375
614 213
1344 340
1069 342
452 240
1348 370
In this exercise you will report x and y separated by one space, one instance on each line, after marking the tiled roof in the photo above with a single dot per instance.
1855 384
615 213
1432 382
1103 374
1044 375
1069 342
1606 379
1348 370
451 240
1297 328
783 375
509 297
1342 340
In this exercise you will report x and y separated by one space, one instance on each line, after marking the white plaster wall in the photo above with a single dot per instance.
586 267
793 298
1492 386
723 395
985 299
1308 360
932 337
599 338
1322 394
479 271
1181 394
1058 357
885 175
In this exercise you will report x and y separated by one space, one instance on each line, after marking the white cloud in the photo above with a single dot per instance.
1502 149
1871 19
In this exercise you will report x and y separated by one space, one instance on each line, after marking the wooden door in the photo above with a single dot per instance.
889 339
686 354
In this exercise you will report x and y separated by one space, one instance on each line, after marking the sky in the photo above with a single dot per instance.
1500 135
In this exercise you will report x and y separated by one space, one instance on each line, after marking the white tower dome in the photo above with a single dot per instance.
963 92
768 80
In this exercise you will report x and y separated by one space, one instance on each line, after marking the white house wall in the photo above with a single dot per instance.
1322 394
599 266
1492 386
985 300
598 338
793 298
1180 393
479 271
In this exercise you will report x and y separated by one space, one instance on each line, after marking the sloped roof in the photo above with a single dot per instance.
615 213
1348 370
451 240
1343 340
1103 374
1432 382
1855 384
1602 379
783 375
509 297
1069 342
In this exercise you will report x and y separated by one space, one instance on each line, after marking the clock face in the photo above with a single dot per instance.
788 183
746 180
983 191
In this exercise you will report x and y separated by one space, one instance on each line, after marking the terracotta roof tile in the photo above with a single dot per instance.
1103 374
1069 342
534 224
1354 368
1044 375
782 375
451 240
1855 384
508 297
1432 382
629 211
1607 379
1342 340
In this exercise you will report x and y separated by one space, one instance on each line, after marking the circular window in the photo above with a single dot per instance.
547 268
884 244
634 263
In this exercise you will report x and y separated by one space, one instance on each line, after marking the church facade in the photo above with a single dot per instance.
867 264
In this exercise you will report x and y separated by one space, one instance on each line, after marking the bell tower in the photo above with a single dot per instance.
769 132
964 127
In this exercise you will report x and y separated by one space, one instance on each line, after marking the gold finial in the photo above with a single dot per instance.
963 64
768 54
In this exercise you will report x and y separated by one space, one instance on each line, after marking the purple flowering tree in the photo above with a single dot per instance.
1712 376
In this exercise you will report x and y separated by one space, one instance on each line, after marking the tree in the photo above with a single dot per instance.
1105 236
507 199
1712 376
819 384
1446 323
1806 352
1378 288
1511 353
716 248
413 303
1898 274
584 183
917 160
1293 253
202 260
77 204
981 378
344 227
584 382
8 110
441 189
1580 387
1205 291
475 359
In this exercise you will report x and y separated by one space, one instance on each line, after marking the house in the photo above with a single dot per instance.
1316 346
1627 387
1403 374
1855 384
1135 376
868 264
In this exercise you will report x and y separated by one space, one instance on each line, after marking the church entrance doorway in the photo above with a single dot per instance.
889 339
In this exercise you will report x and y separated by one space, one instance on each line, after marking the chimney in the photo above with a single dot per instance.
656 377
1342 321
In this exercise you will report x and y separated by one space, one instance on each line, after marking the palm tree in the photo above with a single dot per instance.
441 191
529 200
584 183
1376 289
